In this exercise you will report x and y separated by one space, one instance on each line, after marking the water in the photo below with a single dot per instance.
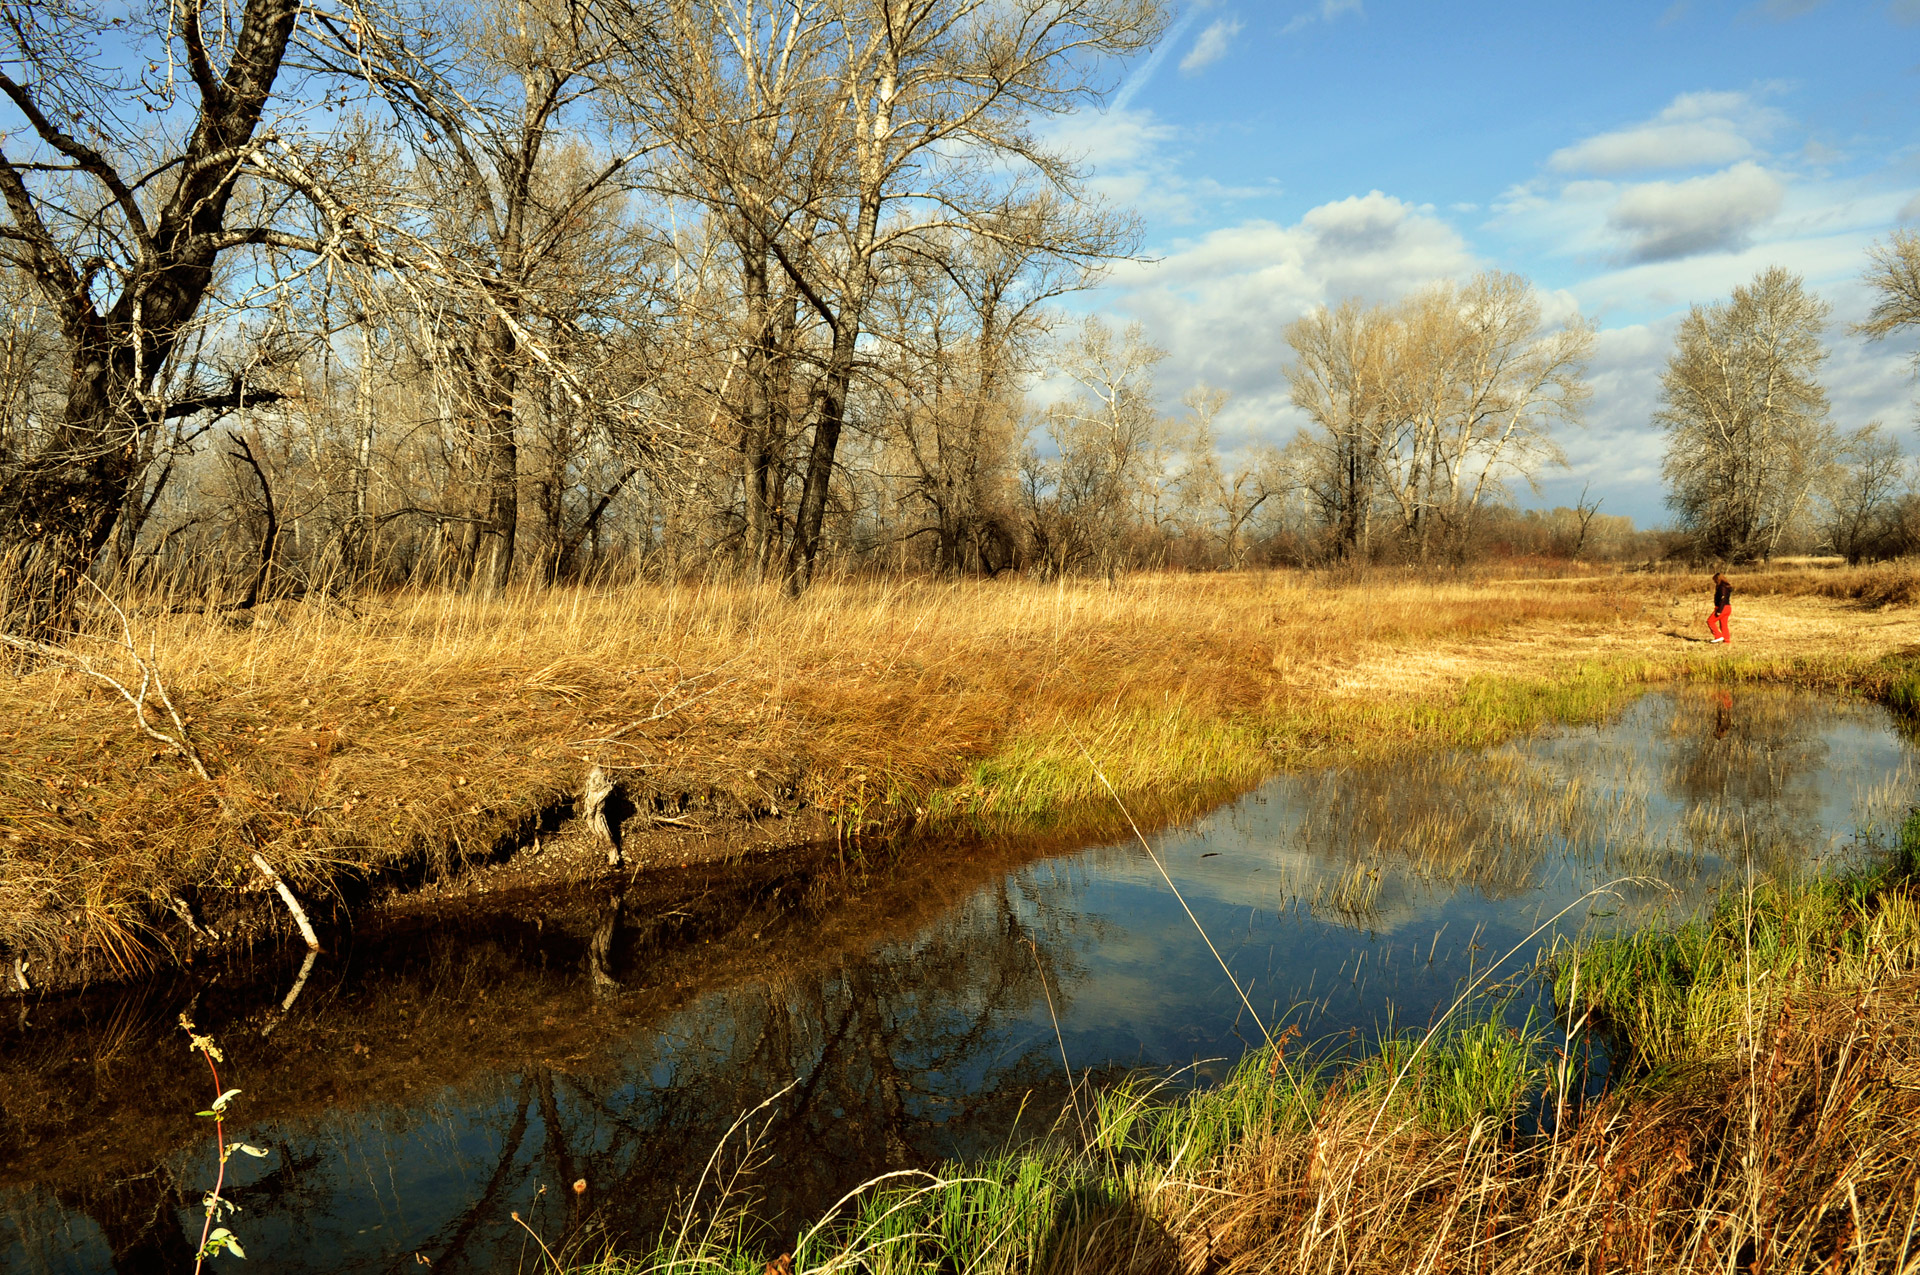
431 1081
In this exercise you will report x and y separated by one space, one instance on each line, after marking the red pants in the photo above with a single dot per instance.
1717 623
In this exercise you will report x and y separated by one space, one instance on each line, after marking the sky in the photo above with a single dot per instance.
1630 159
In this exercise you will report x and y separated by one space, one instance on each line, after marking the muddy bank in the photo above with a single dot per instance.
530 863
548 847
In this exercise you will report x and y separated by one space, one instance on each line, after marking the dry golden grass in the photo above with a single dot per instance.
413 731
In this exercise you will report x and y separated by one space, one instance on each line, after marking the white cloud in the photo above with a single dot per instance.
1325 11
1695 130
1653 146
1220 304
1110 140
1132 162
1664 221
1211 45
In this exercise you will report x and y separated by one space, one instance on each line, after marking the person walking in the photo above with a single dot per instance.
1722 610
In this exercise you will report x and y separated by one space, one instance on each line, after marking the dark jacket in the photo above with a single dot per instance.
1722 595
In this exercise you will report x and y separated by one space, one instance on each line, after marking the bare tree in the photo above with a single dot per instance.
1341 376
1509 383
1082 502
742 97
1746 417
1218 504
1428 408
953 334
1585 510
508 209
121 186
1863 514
939 97
1894 273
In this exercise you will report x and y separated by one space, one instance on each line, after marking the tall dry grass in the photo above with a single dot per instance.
417 730
1880 585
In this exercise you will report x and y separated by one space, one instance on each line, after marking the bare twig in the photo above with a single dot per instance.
178 739
150 686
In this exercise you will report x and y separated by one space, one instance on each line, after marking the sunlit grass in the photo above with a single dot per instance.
1690 995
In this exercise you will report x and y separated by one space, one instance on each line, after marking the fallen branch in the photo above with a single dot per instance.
182 910
293 904
150 685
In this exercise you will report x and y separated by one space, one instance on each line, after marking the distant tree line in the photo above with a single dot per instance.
339 294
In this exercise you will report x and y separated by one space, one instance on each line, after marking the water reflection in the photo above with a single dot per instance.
429 1083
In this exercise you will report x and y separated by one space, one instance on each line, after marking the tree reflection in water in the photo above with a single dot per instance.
893 1055
1685 784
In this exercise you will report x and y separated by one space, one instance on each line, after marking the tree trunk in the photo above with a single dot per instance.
502 456
826 440
57 517
360 540
759 452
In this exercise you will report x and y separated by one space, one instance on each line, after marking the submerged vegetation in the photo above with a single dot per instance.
407 735
1764 1091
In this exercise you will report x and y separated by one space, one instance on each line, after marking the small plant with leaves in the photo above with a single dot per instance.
215 1240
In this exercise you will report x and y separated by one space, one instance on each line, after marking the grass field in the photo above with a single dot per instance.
406 734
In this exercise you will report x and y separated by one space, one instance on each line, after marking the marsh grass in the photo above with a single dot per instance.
1785 1146
417 730
1690 995
1887 584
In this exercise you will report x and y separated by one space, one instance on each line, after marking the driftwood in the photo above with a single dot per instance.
600 788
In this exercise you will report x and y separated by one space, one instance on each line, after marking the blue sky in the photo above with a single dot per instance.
1631 159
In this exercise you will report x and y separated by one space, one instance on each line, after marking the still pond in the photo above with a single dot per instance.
432 1080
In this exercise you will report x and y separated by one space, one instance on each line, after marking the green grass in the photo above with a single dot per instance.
1482 1072
1052 772
1145 754
1692 994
